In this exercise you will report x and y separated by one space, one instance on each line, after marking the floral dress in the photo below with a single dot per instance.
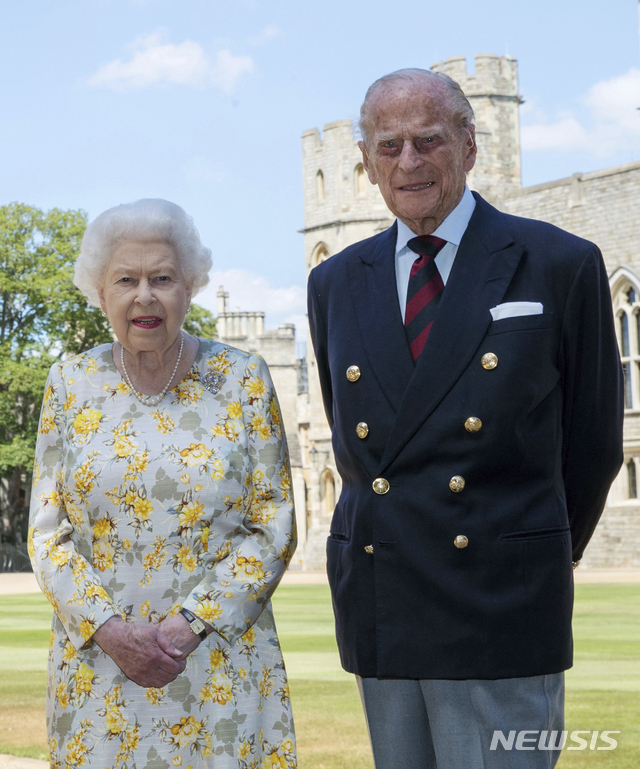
138 511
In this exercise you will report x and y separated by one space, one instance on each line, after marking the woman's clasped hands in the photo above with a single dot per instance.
150 655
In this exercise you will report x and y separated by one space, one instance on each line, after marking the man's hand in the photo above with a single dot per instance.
144 653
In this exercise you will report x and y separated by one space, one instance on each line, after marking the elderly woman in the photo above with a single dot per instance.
162 522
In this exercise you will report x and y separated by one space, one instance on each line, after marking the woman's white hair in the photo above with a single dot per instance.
148 219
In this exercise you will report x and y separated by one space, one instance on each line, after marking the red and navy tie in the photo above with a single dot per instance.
423 294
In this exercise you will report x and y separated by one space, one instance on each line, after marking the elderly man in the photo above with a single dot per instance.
471 379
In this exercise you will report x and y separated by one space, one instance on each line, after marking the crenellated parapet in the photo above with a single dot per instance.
492 91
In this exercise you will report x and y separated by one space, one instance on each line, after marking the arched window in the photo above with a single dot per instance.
632 479
360 181
328 492
320 186
319 254
626 308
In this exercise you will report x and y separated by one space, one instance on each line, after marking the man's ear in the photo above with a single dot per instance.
471 148
367 165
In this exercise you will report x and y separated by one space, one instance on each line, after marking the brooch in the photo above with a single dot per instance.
212 381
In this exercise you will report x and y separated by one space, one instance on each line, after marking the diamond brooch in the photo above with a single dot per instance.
212 381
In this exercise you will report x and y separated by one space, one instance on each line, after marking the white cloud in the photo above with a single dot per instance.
254 293
266 34
614 122
154 61
565 134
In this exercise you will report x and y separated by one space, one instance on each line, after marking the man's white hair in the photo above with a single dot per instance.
461 111
148 219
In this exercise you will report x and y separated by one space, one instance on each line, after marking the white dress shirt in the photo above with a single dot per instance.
452 229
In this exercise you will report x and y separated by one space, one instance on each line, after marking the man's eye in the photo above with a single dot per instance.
424 142
163 278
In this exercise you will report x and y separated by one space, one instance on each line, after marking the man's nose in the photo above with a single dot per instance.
409 158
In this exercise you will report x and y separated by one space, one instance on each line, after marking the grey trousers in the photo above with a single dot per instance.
436 724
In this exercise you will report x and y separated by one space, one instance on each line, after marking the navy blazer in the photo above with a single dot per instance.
536 473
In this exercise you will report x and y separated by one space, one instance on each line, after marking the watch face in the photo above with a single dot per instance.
197 626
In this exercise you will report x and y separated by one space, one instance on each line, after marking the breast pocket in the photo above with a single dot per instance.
521 323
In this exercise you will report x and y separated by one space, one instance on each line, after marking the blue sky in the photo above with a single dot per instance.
203 102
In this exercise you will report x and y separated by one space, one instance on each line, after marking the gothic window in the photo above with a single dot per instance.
360 181
632 479
328 492
627 312
319 254
320 187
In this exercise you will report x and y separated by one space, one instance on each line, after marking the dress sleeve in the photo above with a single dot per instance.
65 576
238 587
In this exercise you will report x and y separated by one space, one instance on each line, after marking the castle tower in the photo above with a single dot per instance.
493 94
341 206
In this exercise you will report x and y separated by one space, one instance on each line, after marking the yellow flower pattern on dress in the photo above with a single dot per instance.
139 511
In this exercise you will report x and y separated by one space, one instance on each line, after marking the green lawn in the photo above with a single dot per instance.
603 689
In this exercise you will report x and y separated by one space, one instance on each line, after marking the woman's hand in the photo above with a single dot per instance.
145 654
177 632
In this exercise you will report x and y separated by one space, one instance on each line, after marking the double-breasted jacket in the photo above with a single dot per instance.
483 468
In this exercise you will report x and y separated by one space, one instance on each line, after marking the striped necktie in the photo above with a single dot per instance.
423 294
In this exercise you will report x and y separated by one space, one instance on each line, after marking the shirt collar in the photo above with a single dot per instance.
452 228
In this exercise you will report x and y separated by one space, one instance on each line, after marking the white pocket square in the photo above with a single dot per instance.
515 309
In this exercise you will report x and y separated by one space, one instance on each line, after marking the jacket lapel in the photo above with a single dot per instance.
483 268
373 289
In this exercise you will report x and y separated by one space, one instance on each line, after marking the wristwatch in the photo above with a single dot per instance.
197 625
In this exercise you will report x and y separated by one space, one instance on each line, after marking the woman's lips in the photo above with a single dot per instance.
144 321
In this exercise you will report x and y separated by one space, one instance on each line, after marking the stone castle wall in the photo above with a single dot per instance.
604 207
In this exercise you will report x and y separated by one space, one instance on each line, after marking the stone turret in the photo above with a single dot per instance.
340 205
493 94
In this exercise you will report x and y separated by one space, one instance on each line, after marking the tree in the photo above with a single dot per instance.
200 322
42 317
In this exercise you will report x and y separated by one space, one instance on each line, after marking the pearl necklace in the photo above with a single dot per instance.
151 400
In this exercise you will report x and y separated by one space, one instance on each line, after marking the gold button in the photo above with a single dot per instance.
456 484
381 485
460 541
489 360
369 549
353 373
473 424
362 430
